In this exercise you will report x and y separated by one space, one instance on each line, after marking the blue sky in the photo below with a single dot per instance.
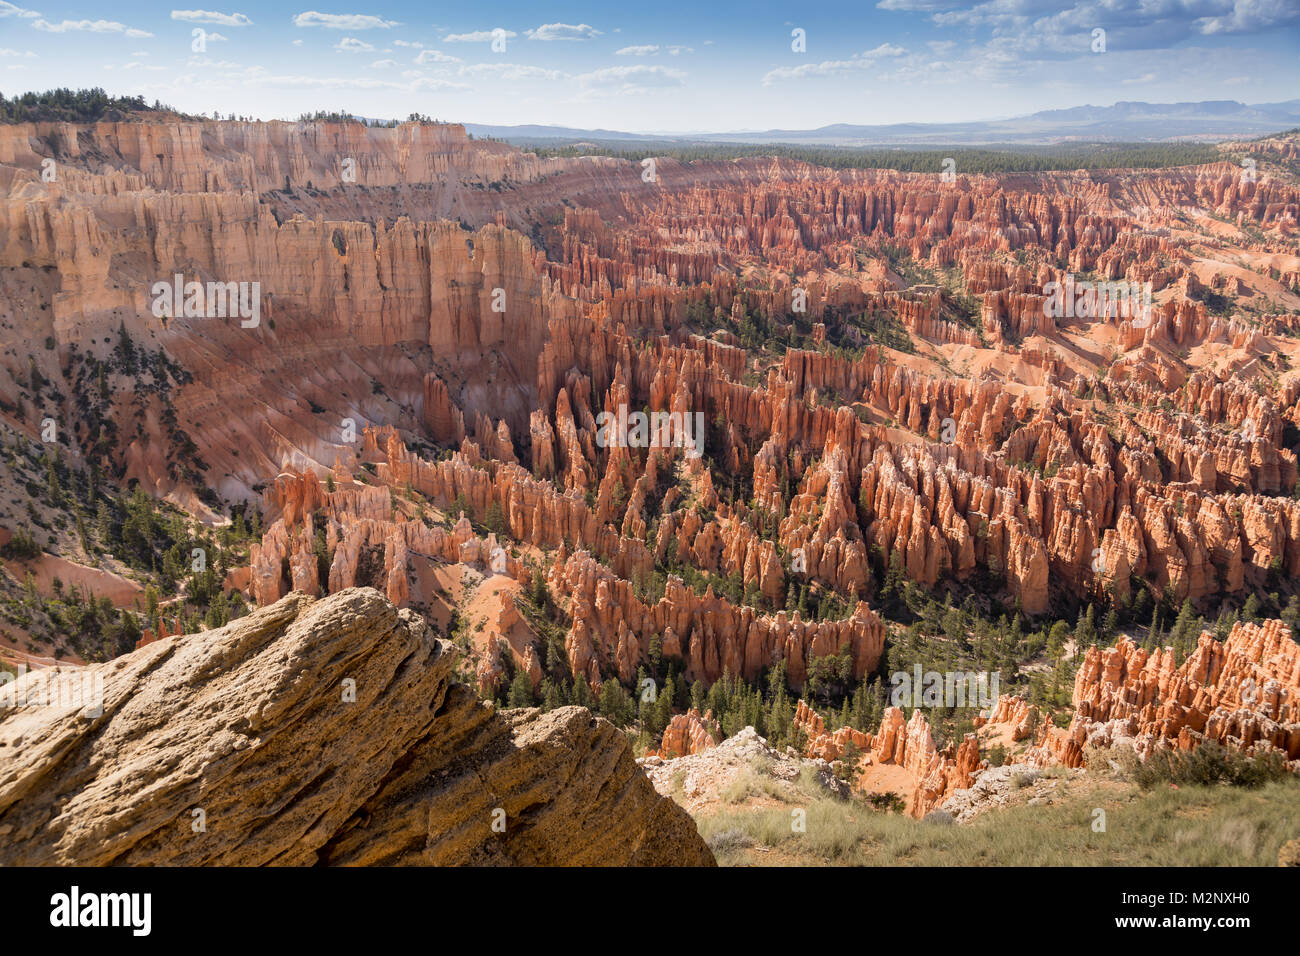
659 65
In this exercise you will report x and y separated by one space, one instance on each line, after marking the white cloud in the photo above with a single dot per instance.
834 67
343 21
1064 30
27 53
564 31
409 43
479 36
90 26
260 77
427 85
353 45
434 56
208 63
1249 15
619 80
511 71
653 49
211 16
7 9
916 6
383 64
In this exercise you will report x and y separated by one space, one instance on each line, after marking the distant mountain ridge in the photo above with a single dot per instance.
1121 122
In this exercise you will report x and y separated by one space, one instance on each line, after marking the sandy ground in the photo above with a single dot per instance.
102 584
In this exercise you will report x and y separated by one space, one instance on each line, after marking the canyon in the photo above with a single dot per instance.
410 434
375 319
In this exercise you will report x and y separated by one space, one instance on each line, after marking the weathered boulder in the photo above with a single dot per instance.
319 732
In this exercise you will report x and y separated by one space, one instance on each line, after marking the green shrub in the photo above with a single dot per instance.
22 546
1210 763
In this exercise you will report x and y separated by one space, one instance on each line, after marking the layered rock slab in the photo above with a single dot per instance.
312 732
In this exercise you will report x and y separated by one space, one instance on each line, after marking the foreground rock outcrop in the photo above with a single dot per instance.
320 732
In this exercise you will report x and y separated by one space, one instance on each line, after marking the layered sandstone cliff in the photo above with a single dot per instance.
320 732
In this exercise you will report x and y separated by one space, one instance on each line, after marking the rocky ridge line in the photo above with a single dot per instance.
253 725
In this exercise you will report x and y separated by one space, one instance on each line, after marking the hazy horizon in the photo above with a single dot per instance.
667 68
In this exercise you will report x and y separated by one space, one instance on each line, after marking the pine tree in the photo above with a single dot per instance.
151 606
1291 615
646 714
656 655
681 692
493 519
1110 625
555 660
780 717
663 709
521 690
582 695
550 694
53 493
614 703
125 350
216 616
699 696
1085 629
82 533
